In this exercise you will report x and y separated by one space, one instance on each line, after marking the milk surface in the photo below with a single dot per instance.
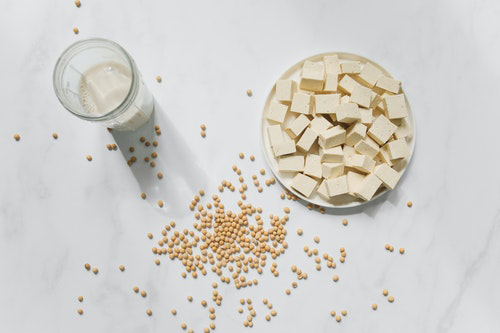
104 87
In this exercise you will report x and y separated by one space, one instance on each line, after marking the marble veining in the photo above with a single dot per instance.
59 211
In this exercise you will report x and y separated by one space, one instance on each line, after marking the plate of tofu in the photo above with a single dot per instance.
338 130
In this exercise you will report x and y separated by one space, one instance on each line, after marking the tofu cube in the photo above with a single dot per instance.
334 154
369 75
368 187
319 124
355 133
349 152
366 116
381 106
301 103
375 99
350 67
398 149
347 84
326 103
387 175
367 147
348 113
332 64
332 170
313 76
285 90
345 99
395 106
275 135
307 139
291 163
313 166
381 129
354 180
389 84
331 82
337 186
361 96
404 129
304 184
323 190
332 71
297 126
384 155
332 137
361 163
277 112
285 147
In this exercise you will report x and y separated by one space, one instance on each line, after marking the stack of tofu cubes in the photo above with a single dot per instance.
343 129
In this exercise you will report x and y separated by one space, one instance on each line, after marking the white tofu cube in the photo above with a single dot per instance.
361 96
384 155
323 190
387 175
297 126
398 149
332 170
395 106
367 147
301 103
348 113
361 163
369 74
355 133
347 84
307 139
275 135
332 137
285 90
277 112
332 71
331 82
350 67
345 99
291 163
354 181
381 129
332 64
381 105
375 99
313 76
404 129
313 166
349 152
337 186
326 103
319 124
334 154
304 184
388 84
366 116
285 147
368 187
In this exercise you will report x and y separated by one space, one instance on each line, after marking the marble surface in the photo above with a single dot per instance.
58 211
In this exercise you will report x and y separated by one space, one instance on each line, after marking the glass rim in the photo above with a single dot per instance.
69 53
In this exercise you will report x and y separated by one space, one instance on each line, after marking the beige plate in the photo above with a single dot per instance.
285 178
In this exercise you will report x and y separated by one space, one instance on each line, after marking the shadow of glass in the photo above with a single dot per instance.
181 176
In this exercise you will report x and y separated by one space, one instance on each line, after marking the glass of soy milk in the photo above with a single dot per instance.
97 80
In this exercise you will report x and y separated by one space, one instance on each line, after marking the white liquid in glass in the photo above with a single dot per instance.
105 86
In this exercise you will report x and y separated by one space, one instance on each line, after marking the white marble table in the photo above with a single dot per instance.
59 211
